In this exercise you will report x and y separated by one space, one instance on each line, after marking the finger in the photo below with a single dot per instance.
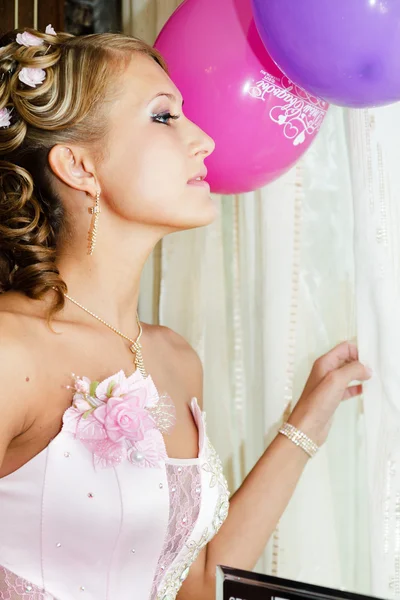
334 359
353 391
337 381
338 356
360 371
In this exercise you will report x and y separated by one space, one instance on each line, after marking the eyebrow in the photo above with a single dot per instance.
169 96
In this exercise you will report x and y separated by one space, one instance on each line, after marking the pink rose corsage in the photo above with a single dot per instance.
121 418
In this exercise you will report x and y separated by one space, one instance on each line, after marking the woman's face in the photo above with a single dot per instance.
154 154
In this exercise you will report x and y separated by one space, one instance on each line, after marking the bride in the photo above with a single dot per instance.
109 486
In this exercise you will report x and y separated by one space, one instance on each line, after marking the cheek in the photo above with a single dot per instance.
146 179
157 172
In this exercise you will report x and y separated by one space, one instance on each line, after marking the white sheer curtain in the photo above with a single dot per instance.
375 149
260 294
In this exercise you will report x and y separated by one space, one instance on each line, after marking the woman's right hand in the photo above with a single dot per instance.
327 386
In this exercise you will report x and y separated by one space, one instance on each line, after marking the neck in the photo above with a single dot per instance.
106 283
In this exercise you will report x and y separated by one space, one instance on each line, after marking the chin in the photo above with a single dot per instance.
197 208
200 214
203 214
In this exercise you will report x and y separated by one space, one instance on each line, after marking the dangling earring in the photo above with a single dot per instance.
95 211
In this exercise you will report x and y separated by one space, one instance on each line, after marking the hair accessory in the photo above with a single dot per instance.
31 76
5 120
28 39
300 439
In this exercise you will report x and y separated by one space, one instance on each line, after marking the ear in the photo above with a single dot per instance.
73 167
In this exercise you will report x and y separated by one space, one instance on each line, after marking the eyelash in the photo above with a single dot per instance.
166 118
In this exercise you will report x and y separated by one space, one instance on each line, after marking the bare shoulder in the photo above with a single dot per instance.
17 354
14 346
180 355
16 369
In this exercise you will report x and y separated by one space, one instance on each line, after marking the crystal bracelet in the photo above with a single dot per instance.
300 439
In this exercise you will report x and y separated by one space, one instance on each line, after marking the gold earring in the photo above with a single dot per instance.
95 211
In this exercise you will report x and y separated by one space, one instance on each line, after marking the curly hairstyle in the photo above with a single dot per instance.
68 107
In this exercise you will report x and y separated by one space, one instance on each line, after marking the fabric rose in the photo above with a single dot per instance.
123 418
82 405
32 77
28 39
120 418
5 119
148 452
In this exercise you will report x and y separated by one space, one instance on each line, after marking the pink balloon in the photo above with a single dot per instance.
261 122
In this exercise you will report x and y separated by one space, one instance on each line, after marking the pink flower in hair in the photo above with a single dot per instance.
28 39
5 120
32 77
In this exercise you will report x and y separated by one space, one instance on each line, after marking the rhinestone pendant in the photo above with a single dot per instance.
139 363
135 348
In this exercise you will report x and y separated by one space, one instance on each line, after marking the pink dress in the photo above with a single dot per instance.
102 513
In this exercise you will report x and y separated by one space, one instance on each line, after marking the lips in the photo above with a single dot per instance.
200 176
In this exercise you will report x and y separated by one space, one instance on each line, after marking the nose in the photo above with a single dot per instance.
201 142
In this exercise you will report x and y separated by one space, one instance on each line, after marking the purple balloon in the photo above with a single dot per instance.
344 51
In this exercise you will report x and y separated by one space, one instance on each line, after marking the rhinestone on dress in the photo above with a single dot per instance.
82 588
90 495
161 486
58 545
133 551
179 469
173 489
28 588
67 454
198 490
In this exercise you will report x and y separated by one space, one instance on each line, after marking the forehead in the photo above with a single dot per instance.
143 79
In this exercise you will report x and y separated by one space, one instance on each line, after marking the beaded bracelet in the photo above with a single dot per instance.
300 439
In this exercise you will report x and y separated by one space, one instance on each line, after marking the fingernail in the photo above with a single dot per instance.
369 371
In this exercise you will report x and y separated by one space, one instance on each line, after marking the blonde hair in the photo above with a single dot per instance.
68 107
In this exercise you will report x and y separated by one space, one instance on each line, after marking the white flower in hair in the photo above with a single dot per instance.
28 39
32 77
50 30
5 120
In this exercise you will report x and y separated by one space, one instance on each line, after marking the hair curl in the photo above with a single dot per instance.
68 107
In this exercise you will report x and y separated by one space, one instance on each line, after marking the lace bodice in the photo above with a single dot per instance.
79 521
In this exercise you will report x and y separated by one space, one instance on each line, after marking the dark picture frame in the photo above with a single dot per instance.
236 584
83 17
